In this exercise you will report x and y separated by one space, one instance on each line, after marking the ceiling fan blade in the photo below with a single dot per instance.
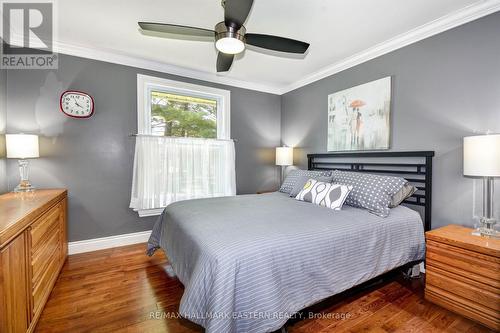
176 29
276 43
236 12
224 61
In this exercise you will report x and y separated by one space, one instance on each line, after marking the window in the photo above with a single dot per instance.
183 115
178 109
183 148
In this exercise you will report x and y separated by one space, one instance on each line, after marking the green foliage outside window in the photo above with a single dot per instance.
183 116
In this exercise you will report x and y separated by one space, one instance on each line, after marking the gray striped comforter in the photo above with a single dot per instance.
249 262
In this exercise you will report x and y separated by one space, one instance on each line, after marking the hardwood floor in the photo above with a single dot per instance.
123 290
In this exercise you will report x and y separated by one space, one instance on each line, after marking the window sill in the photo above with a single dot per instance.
149 212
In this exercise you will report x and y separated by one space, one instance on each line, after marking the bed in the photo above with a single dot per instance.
250 262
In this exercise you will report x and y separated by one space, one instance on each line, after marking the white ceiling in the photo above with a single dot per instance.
336 30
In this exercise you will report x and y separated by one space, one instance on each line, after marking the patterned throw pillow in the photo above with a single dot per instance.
371 192
324 194
293 175
302 180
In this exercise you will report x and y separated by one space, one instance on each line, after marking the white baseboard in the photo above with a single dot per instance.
95 244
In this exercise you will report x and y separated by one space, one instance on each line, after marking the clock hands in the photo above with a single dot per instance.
81 107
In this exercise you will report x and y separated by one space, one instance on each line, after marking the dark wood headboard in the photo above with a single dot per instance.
419 173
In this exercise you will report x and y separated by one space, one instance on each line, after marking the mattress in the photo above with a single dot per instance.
249 262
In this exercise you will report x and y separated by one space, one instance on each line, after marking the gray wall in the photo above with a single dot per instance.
93 158
444 88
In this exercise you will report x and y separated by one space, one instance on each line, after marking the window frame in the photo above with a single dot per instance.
146 84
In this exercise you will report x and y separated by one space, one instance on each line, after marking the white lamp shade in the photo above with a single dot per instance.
22 146
482 155
284 156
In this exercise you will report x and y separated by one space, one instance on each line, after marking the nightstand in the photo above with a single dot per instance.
266 191
463 274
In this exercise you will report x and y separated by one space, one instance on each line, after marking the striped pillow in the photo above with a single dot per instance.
324 194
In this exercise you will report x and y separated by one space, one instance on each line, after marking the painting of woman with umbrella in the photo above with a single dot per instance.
359 117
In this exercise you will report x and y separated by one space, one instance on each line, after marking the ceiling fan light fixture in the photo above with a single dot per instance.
230 45
228 39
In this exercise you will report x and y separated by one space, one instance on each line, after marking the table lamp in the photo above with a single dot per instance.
284 157
22 146
482 159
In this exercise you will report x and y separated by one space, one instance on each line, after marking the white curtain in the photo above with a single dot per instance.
171 169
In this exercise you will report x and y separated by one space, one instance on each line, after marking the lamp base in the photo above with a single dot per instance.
487 229
24 186
487 221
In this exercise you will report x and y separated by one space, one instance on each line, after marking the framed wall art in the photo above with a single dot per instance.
359 117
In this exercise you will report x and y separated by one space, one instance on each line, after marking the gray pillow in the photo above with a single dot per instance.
302 180
371 192
406 191
291 178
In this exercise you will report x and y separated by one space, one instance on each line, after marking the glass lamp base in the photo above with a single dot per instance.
24 186
487 228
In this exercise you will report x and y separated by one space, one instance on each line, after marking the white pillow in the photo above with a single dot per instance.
324 194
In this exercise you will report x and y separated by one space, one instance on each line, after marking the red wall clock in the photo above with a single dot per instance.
77 104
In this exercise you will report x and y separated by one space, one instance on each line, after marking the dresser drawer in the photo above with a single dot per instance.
460 285
46 253
477 266
42 286
464 276
465 307
41 229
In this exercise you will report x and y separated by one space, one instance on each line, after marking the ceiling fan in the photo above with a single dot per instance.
230 35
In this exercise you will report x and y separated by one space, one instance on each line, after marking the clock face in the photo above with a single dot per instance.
77 104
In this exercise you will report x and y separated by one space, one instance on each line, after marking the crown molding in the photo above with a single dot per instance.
117 57
452 20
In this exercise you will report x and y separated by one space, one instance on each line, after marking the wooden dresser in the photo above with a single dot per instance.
463 274
33 248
